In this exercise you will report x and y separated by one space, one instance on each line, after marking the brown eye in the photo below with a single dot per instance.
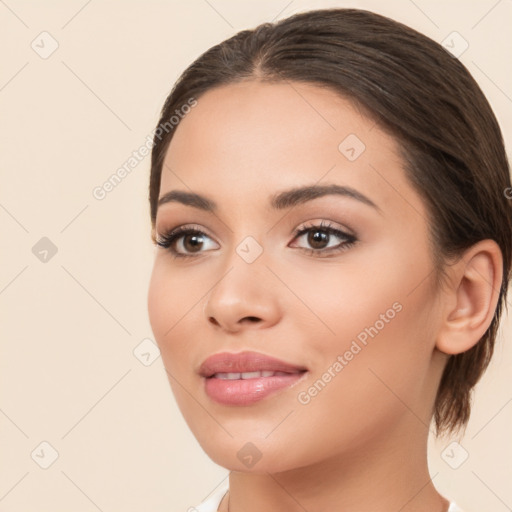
318 239
193 242
184 241
321 239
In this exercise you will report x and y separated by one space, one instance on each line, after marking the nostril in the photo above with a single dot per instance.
252 318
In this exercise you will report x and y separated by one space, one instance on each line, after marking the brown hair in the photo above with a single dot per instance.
451 143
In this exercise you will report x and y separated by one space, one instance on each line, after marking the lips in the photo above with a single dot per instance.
246 378
241 365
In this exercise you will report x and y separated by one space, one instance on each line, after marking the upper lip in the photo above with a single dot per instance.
228 362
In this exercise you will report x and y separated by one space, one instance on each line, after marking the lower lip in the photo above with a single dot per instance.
248 391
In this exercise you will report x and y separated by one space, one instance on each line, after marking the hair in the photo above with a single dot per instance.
450 140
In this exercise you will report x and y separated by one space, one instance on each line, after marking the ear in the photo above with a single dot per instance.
471 297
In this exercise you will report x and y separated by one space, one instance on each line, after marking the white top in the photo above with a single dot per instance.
213 502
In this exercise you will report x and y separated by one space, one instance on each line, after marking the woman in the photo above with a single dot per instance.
328 198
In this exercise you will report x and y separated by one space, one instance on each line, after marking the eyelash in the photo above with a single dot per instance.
167 239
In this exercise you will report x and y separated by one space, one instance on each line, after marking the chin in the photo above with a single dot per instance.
249 454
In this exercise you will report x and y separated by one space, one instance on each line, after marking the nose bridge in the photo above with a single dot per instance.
245 289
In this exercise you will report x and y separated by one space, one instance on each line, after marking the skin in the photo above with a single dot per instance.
361 443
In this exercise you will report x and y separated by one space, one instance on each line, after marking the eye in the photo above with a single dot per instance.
187 241
184 241
322 239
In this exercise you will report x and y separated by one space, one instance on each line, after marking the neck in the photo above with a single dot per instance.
389 474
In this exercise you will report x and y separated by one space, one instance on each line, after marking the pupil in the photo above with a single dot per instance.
317 239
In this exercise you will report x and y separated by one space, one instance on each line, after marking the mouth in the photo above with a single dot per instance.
250 375
247 377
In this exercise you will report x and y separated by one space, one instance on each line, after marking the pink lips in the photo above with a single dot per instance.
223 385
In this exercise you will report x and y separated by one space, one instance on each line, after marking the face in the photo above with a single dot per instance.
339 284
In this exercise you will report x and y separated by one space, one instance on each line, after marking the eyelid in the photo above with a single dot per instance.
180 228
325 223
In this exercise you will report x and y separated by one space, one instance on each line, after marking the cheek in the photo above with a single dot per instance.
172 296
171 301
172 305
377 382
377 318
375 290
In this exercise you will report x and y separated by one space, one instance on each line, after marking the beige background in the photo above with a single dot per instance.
72 325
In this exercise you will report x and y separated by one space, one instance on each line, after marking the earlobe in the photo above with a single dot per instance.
471 298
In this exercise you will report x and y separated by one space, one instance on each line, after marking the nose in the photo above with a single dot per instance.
246 297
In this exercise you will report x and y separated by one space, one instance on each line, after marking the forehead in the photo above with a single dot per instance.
255 138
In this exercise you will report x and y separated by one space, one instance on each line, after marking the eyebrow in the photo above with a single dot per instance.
279 201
